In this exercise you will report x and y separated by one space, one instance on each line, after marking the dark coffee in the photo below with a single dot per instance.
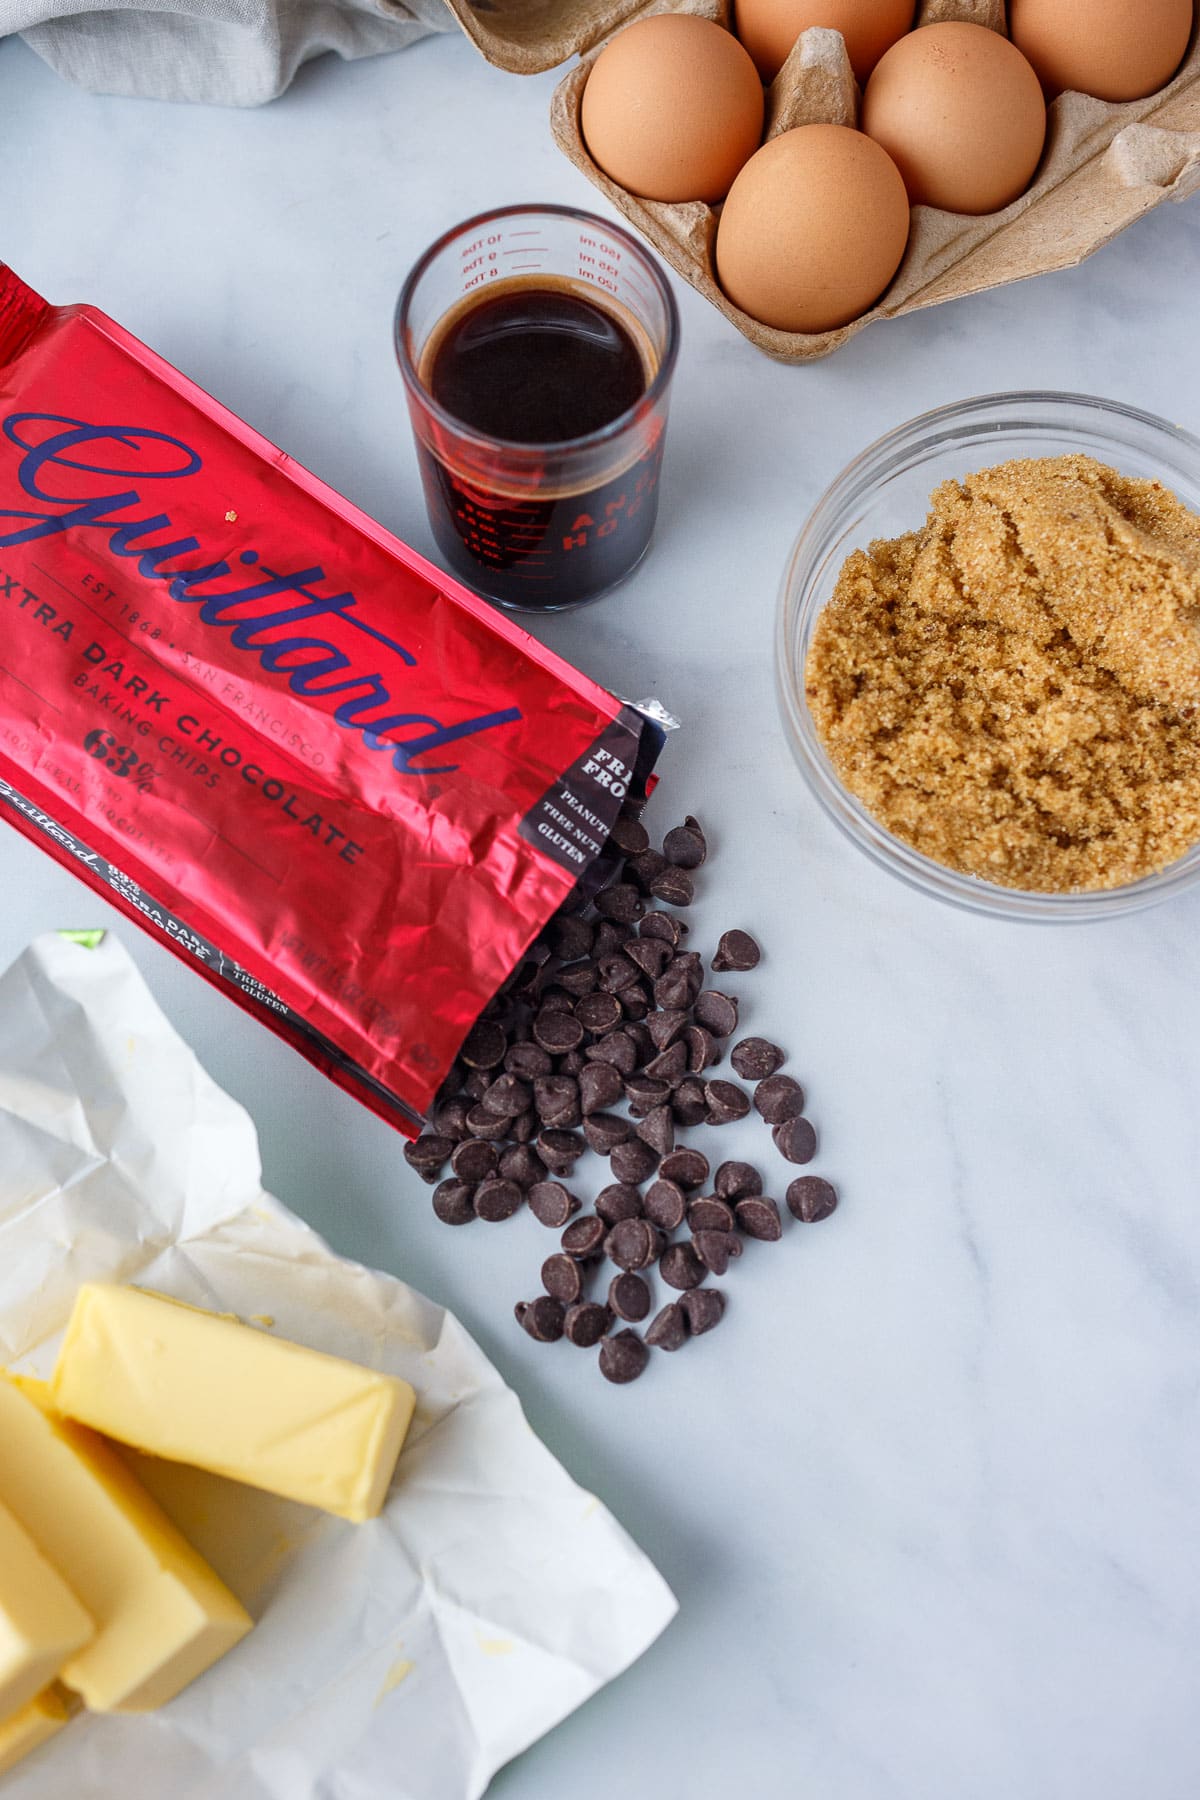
537 365
541 363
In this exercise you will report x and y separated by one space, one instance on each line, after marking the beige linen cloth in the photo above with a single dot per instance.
220 52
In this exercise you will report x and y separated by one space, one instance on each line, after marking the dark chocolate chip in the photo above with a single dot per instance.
551 1203
669 1065
632 1244
717 1012
429 1154
571 1063
525 1127
519 1311
543 1319
557 1031
508 1096
474 1160
629 836
622 902
715 1248
685 847
617 972
556 1100
668 1329
658 1130
599 1012
629 1297
484 1046
688 1102
561 1277
557 1000
754 1059
579 979
673 990
600 1085
687 1166
644 1094
618 1048
725 1101
666 1027
650 954
527 1061
703 1308
759 1218
779 1098
701 1048
736 950
680 1267
618 1201
638 1033
737 1180
483 1124
453 1202
660 924
709 1214
645 867
477 1084
497 1199
560 1150
569 936
633 1161
609 938
623 1357
586 1323
584 1238
450 1119
523 1165
796 1140
810 1199
665 1204
605 1130
634 1004
674 886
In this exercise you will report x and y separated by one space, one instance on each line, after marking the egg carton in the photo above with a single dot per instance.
1103 167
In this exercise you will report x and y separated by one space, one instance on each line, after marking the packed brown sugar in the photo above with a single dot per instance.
1014 689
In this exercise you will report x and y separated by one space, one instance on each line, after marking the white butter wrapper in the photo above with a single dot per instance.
404 1659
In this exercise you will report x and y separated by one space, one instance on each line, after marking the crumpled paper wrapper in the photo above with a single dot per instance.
405 1659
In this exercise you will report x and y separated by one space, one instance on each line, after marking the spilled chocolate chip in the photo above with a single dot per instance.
586 1323
737 1180
689 1167
633 1244
680 1267
737 950
605 1130
755 1058
717 1012
668 1330
665 1204
584 1238
674 886
796 1140
454 1202
496 1200
715 1248
629 1297
810 1199
685 846
657 1130
561 1277
703 1308
484 1046
474 1160
522 1165
551 1203
618 1201
599 1086
543 1318
623 1357
725 1101
629 836
633 1161
709 1214
759 1218
779 1098
429 1154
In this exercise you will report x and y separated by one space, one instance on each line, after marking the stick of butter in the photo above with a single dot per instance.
37 1720
41 1621
201 1388
162 1617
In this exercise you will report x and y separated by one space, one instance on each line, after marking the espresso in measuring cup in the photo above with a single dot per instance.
538 395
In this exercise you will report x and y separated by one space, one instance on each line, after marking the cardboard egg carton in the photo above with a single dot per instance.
1103 167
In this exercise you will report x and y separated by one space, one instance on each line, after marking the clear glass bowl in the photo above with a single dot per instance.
885 492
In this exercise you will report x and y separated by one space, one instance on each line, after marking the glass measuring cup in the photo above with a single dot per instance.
539 526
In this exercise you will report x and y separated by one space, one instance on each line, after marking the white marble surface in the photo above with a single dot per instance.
929 1499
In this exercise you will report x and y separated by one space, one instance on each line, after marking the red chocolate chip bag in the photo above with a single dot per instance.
344 787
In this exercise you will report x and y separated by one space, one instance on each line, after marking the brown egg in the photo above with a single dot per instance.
813 230
672 108
769 28
962 113
1114 49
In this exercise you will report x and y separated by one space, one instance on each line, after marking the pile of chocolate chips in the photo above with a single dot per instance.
605 1038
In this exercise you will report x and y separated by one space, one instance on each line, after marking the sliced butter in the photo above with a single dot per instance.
39 1719
201 1388
162 1617
41 1621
